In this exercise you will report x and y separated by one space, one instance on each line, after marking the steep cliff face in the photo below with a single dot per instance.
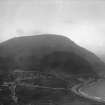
29 52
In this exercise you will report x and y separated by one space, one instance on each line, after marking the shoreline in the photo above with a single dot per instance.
77 89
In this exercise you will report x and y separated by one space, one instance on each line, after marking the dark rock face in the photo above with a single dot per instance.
47 67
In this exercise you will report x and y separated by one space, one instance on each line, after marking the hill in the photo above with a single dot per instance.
48 53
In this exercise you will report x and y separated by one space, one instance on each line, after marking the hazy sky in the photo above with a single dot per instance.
81 20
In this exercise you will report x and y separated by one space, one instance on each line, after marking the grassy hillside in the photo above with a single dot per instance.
59 62
38 52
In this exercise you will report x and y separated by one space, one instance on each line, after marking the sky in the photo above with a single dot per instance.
83 21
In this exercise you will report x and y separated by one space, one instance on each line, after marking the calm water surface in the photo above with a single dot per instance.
95 90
